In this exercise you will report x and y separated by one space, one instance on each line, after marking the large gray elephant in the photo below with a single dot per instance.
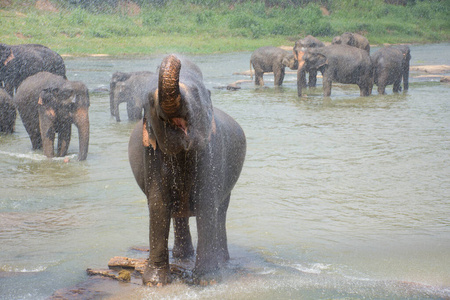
134 91
116 78
49 104
352 39
17 62
271 59
186 156
7 112
340 63
300 47
391 64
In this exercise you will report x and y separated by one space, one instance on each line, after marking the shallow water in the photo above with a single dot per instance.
343 197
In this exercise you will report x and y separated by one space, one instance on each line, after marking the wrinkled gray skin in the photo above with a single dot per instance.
186 156
134 91
116 78
7 113
300 47
391 64
17 62
340 63
49 104
271 59
352 39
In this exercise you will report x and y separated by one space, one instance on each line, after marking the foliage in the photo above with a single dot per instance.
204 26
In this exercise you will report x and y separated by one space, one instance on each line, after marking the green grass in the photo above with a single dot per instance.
218 26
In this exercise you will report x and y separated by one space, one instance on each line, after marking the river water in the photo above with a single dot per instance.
340 198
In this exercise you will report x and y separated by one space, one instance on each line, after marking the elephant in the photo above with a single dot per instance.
352 39
49 104
391 64
17 62
7 113
341 63
119 77
134 91
300 47
186 156
271 59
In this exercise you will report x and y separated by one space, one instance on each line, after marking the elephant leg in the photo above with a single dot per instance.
327 87
312 78
183 247
224 255
134 112
259 77
64 136
207 258
278 77
381 88
397 85
157 271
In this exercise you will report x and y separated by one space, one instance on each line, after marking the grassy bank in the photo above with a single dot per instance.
183 26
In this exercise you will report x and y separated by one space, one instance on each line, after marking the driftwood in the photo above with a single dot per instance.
128 269
435 69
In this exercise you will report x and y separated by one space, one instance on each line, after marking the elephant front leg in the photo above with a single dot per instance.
157 271
278 77
212 248
259 78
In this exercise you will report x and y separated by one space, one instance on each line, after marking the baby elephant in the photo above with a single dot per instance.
129 88
271 59
391 64
49 104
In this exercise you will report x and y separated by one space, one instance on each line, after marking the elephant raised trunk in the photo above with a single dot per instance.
169 88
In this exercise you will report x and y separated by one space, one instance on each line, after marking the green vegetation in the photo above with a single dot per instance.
208 26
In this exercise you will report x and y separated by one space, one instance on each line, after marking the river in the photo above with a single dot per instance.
340 198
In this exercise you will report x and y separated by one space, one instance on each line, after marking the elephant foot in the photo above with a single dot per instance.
156 276
204 279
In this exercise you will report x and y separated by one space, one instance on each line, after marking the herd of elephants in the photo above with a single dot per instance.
186 156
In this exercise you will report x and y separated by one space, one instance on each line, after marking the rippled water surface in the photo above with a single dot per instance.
343 197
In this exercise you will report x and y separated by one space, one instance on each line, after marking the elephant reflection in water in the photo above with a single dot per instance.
49 104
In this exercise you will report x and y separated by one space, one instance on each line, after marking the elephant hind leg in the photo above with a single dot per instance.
183 247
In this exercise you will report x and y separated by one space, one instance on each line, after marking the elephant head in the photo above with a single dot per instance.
290 61
181 112
311 59
337 40
58 108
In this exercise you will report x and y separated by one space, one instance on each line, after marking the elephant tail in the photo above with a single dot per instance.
251 72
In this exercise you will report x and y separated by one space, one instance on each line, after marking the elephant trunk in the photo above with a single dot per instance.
168 86
301 73
81 120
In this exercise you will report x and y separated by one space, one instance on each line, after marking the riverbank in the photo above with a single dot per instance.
195 27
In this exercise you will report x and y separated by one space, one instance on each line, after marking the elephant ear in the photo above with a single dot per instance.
46 96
